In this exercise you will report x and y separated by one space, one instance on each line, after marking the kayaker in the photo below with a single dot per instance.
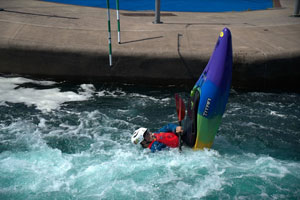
167 136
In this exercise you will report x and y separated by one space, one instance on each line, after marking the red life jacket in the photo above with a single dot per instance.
169 139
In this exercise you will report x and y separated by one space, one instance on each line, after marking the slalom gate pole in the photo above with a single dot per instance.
109 33
118 19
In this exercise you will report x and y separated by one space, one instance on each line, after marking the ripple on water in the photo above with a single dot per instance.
73 142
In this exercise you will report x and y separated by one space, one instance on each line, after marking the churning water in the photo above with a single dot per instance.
65 141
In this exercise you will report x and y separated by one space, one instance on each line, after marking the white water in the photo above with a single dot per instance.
43 99
76 145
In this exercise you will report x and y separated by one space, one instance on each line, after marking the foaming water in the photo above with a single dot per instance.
63 141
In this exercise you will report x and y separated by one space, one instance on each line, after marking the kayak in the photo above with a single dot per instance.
209 96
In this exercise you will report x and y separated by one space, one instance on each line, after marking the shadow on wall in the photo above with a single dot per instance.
144 39
36 14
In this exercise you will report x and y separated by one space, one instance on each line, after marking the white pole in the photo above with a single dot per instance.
118 19
109 33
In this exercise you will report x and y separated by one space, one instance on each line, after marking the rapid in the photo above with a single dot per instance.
62 140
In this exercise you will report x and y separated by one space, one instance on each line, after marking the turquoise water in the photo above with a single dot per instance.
72 141
177 5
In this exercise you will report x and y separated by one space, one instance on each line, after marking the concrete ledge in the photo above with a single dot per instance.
68 42
268 74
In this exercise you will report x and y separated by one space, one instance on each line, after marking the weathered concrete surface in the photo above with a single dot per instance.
70 42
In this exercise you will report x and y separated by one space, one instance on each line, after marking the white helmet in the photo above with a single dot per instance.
138 136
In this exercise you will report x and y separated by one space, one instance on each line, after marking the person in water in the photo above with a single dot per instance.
167 136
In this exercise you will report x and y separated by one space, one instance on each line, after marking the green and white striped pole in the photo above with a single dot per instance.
118 19
109 33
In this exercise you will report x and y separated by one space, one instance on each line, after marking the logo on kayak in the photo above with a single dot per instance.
205 113
221 34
